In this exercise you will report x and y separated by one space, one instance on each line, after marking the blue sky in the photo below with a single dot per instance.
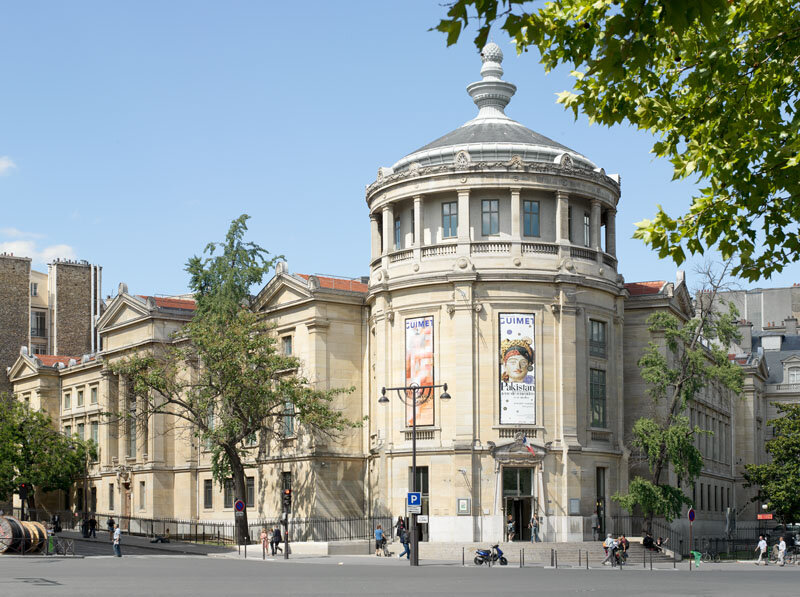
131 134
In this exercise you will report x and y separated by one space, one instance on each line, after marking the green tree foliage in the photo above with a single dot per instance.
715 80
693 357
33 451
778 481
224 375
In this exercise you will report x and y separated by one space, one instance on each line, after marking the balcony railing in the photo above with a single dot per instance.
788 387
39 332
583 253
437 250
548 248
597 348
490 248
401 255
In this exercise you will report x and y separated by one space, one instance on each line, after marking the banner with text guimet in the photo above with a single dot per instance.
517 369
419 365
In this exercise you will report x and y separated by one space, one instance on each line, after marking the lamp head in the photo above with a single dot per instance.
383 399
445 395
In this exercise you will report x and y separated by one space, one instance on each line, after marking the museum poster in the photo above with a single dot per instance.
517 369
419 365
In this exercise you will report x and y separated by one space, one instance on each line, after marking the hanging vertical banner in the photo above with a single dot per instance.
517 369
419 365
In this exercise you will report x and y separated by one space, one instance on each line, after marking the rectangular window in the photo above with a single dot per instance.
68 430
450 219
34 289
397 244
111 497
702 497
286 480
587 228
38 324
81 427
569 223
251 492
288 419
94 429
251 440
93 395
517 482
141 495
530 212
421 484
38 349
93 499
597 338
413 227
228 493
80 397
490 217
597 396
286 345
208 494
67 400
131 429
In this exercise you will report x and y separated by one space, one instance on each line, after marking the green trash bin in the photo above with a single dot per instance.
50 546
697 556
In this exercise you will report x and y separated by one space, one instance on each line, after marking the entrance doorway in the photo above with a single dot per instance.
519 500
521 510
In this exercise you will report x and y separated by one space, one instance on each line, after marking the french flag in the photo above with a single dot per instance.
527 444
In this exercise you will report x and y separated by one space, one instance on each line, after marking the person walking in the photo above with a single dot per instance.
761 548
379 538
276 541
403 536
110 527
511 527
117 541
92 528
399 527
781 552
610 547
595 522
264 538
534 526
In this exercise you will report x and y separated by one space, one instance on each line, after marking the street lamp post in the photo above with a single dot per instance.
419 396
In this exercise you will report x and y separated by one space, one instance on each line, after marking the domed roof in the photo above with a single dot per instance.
492 136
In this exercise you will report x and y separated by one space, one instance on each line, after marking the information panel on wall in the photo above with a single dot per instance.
419 365
517 369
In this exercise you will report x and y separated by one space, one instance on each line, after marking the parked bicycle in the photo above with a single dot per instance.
708 555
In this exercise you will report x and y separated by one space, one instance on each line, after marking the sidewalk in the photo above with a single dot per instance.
143 543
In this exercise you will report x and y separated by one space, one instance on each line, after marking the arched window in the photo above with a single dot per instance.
794 375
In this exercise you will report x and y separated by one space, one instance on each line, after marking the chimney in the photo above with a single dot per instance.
746 331
790 326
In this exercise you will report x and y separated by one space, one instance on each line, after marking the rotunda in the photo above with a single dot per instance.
493 270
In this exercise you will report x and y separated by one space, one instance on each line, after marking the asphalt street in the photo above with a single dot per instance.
361 575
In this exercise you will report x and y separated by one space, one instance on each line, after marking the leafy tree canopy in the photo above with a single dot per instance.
716 82
778 481
33 451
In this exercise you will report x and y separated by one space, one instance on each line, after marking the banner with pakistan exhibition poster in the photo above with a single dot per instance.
517 369
419 365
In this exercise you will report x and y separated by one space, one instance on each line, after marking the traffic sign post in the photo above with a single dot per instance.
691 543
414 502
238 512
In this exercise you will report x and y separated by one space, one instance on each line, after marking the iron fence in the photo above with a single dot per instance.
636 526
220 532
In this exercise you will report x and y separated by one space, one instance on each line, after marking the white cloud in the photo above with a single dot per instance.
28 248
6 165
16 233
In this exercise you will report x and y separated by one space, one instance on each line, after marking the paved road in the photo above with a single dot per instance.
219 576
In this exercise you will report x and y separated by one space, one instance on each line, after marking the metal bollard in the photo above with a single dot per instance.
587 559
674 556
552 558
245 548
651 560
520 558
462 556
263 551
579 558
644 557
556 559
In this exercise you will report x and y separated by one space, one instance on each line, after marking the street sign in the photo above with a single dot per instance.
238 514
422 518
238 505
691 514
764 516
414 502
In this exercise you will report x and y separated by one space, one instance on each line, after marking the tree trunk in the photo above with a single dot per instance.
239 493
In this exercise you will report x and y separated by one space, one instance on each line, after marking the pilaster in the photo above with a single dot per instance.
463 222
611 232
418 227
516 222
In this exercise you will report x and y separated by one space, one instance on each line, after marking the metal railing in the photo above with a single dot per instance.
635 526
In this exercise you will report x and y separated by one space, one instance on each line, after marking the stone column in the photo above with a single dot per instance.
463 222
562 215
388 233
516 222
375 236
122 426
611 232
109 447
594 236
418 227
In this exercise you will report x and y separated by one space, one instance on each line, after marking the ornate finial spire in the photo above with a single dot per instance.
492 94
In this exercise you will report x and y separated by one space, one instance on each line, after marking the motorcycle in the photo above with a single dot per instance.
495 554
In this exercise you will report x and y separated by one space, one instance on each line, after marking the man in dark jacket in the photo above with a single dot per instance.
275 544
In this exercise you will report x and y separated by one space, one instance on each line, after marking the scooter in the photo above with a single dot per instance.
495 554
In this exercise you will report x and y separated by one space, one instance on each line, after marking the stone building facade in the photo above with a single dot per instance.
15 307
493 269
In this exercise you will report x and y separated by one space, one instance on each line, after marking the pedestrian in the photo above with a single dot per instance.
781 552
117 540
400 526
595 522
511 528
534 526
110 527
610 547
624 545
92 527
275 542
404 541
264 537
379 538
761 548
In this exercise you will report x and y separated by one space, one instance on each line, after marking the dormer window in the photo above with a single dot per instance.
397 244
793 375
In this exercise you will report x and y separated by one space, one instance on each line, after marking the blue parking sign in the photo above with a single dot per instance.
414 498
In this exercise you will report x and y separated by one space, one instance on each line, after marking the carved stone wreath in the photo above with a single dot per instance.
462 159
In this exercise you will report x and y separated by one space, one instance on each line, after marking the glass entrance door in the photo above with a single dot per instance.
519 500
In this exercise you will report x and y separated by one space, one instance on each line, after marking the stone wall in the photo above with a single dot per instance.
72 308
15 275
